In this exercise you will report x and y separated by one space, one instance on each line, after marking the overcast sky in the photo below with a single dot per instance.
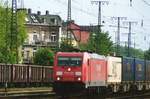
85 13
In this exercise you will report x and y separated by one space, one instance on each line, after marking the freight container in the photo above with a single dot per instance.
127 69
147 70
114 69
97 70
139 70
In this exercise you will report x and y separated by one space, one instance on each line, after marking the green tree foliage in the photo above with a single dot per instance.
138 53
4 29
22 34
44 56
147 54
99 43
6 54
65 47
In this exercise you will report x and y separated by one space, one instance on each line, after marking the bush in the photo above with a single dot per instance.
44 56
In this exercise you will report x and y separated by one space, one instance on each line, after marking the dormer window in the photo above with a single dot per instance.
53 20
43 20
34 19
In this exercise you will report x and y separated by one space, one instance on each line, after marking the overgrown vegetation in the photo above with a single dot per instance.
44 56
138 53
147 54
66 47
10 44
98 42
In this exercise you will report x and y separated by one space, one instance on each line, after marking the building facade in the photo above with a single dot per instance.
43 31
47 31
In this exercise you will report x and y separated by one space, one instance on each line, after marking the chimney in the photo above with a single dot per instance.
38 12
47 12
29 11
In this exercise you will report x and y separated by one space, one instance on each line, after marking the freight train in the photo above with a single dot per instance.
19 75
75 72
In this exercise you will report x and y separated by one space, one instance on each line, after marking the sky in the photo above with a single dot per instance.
86 13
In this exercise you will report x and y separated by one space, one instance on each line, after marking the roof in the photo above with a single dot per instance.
48 19
80 35
89 28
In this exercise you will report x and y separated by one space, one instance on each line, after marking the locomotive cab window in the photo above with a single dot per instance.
69 61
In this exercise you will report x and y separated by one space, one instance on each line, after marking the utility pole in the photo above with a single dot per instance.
6 47
118 37
14 32
99 11
69 11
68 23
130 23
7 24
21 4
99 3
131 3
118 33
129 39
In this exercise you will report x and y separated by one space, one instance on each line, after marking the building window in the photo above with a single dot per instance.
34 31
53 20
34 19
35 37
22 53
34 49
43 20
34 54
53 37
27 55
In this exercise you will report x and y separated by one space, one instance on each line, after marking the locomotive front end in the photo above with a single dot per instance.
68 72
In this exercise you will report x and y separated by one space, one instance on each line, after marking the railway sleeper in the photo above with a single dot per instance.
147 86
126 87
140 86
116 88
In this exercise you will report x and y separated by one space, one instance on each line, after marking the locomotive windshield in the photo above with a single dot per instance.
69 61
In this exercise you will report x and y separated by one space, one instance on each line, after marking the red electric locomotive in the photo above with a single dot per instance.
77 71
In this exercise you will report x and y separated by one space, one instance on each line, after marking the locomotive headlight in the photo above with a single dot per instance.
69 69
79 79
59 73
58 78
78 73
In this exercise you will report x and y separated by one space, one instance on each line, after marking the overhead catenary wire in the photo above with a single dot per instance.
78 9
104 18
90 13
146 2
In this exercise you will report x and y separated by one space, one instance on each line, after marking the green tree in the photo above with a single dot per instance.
44 56
147 54
8 55
65 47
99 43
4 29
138 53
22 33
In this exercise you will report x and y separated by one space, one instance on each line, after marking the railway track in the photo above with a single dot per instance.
137 95
42 92
21 92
